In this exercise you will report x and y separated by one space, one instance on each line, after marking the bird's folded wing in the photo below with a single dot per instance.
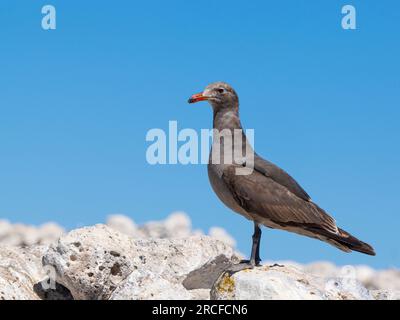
280 176
263 196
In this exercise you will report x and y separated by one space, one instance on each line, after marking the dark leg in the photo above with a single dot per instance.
255 253
255 250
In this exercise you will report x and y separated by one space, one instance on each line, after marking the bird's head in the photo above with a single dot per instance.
218 94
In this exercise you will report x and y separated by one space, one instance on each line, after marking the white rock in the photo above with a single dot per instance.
385 279
195 262
20 271
5 229
25 235
22 276
93 262
365 274
164 260
178 225
386 294
323 269
200 294
344 288
154 230
49 233
145 285
197 232
285 283
223 235
122 224
266 283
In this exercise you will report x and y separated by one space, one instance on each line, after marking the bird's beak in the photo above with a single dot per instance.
197 97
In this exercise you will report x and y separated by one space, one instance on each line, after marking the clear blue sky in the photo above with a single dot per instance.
76 103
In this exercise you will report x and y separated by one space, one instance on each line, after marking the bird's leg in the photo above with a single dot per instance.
255 250
255 253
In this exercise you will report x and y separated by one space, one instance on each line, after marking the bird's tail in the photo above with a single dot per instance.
352 243
343 240
346 242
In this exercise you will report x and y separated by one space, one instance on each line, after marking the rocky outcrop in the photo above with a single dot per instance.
379 282
279 282
176 225
23 276
19 272
223 235
101 263
168 260
26 235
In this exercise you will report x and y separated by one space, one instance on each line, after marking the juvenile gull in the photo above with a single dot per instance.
268 195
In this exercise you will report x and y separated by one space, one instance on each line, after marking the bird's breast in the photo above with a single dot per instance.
220 188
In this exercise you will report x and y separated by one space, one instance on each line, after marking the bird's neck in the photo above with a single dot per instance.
226 118
230 145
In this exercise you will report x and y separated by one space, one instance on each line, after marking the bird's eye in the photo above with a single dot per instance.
220 90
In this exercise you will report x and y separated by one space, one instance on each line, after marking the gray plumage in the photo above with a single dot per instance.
268 196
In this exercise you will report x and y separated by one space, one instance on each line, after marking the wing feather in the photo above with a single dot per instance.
280 176
263 196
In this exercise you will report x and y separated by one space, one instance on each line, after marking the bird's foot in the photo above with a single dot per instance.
277 265
255 264
239 267
242 265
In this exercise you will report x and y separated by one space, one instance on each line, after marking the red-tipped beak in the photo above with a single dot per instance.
197 97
